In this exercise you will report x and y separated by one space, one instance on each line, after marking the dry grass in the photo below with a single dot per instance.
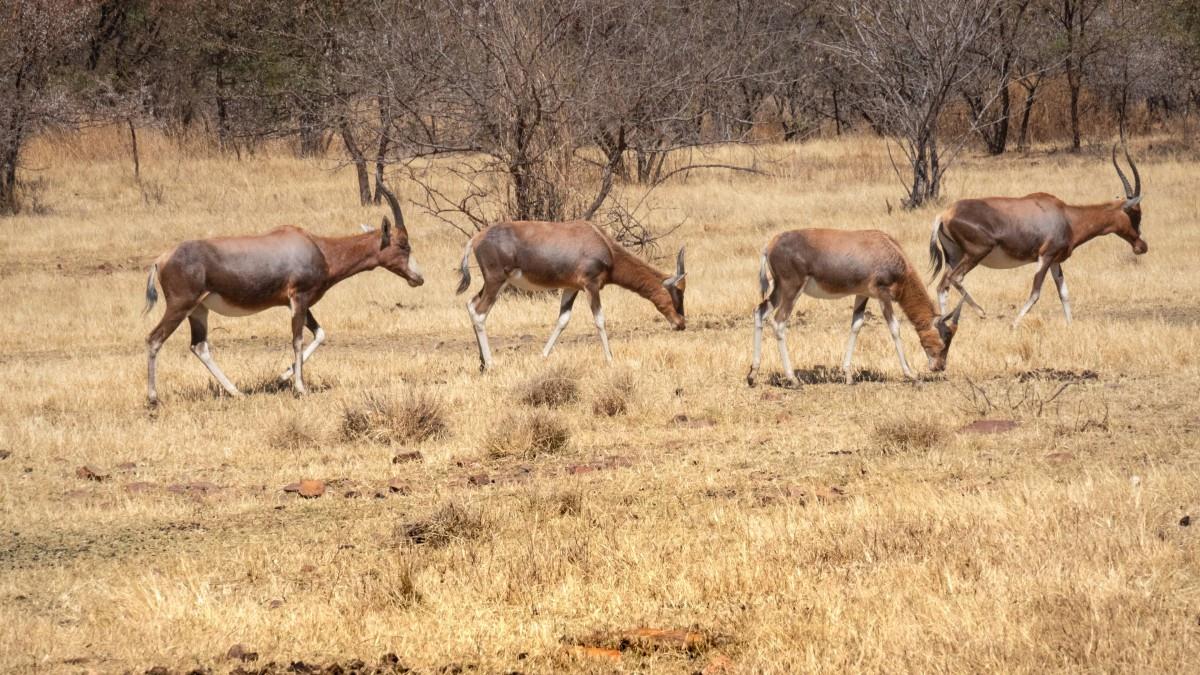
527 435
1056 546
552 388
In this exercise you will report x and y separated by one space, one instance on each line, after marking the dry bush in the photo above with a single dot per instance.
907 434
295 433
452 522
552 388
613 396
380 419
527 436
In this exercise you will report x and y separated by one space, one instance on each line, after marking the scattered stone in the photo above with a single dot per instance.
1059 375
380 494
91 473
291 487
275 604
398 486
126 466
158 670
990 426
1059 457
1185 521
682 420
241 652
311 488
196 488
404 457
479 480
5 454
139 487
352 494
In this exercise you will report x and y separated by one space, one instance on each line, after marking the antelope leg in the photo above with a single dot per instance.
760 313
154 342
1038 279
894 326
598 315
310 322
299 312
1061 282
198 321
787 299
478 308
564 316
856 322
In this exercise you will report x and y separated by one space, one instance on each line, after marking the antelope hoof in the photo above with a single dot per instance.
750 377
849 376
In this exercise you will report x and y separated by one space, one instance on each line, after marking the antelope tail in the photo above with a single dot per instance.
936 256
464 270
151 291
764 284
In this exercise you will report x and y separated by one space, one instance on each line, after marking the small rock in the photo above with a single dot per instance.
990 426
241 652
5 454
398 486
196 488
310 488
1185 521
158 670
389 659
380 494
352 494
291 487
577 469
126 466
479 479
275 604
90 473
414 456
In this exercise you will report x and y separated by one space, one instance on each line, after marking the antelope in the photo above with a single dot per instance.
1004 232
832 264
239 276
571 256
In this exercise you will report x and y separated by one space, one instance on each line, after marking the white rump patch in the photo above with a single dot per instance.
517 278
999 260
815 290
214 302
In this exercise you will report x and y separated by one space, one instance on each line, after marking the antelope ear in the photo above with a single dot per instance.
387 233
366 228
1130 203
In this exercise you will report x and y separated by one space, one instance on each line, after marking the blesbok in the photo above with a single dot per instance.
1007 232
571 256
239 276
832 264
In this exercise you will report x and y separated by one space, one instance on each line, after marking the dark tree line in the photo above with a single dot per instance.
540 106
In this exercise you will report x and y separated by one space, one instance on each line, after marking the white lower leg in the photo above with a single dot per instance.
151 367
318 338
781 337
855 325
756 360
894 327
201 352
298 368
599 315
563 319
943 296
478 320
1061 283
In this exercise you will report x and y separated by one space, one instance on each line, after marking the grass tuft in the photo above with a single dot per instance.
449 523
906 434
416 418
613 396
527 435
552 388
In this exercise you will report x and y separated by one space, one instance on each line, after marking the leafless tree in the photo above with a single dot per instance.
38 39
912 57
1077 26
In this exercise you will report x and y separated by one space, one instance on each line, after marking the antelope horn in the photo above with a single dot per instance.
391 198
1137 178
1121 174
679 270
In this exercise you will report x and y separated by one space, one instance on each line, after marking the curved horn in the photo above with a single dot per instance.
1121 174
679 271
1137 178
391 198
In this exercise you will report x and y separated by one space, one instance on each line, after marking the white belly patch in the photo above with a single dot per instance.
999 260
214 302
813 290
518 280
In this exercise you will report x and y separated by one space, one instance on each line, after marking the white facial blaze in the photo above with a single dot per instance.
413 266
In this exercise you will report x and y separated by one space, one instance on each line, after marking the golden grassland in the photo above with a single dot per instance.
830 527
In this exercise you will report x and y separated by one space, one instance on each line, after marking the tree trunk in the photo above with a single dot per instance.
1026 110
1074 84
137 165
385 138
360 163
8 183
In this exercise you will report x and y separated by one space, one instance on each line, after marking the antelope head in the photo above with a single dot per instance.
675 286
947 326
1129 227
395 253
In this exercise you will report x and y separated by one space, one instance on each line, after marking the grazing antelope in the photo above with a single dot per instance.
239 276
572 256
1003 232
831 264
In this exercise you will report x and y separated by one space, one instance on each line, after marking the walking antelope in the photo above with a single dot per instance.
831 264
1003 232
239 276
572 256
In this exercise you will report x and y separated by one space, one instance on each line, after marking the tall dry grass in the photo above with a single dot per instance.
827 528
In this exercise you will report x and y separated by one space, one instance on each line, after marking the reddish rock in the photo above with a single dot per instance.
194 488
405 457
577 469
311 488
990 426
398 486
291 487
90 473
479 479
275 604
